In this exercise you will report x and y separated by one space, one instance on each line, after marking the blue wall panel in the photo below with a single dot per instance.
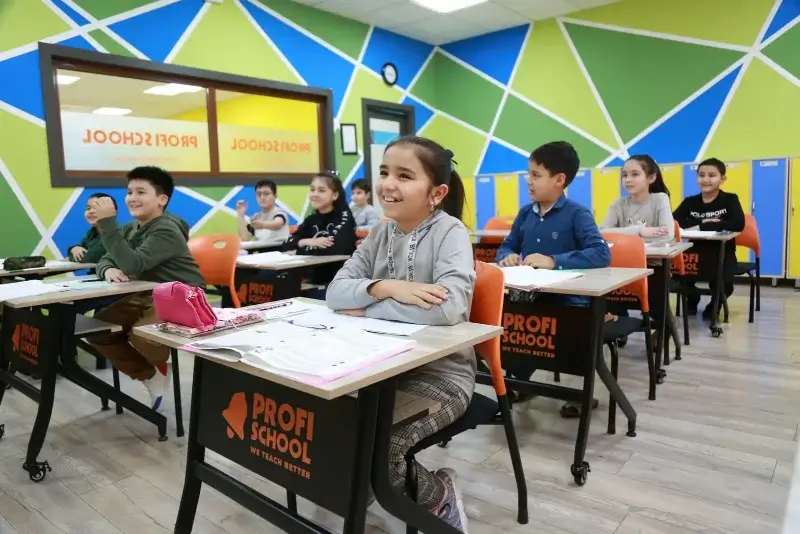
769 202
484 199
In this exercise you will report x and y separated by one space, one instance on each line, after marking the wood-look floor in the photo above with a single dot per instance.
714 454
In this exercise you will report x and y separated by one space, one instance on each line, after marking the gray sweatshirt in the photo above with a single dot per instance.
441 255
627 217
365 217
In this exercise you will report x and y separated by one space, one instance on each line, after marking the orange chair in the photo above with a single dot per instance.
292 228
361 235
679 267
497 223
629 251
487 308
216 256
749 238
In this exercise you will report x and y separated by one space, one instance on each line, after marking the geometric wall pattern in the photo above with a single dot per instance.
678 79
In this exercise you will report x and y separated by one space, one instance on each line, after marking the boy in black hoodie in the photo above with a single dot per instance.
712 210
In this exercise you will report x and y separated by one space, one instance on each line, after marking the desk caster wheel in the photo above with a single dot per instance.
443 444
580 472
37 471
716 331
622 341
2 431
8 386
661 376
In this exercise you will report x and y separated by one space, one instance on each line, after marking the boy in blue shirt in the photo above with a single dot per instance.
553 232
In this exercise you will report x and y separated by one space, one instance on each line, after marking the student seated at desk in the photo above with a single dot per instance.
645 212
714 210
329 230
418 269
270 224
152 248
364 213
553 232
91 248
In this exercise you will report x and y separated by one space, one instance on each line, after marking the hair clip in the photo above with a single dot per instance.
335 173
453 164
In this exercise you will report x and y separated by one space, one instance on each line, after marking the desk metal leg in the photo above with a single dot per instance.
393 502
195 455
662 358
368 400
716 299
38 470
619 396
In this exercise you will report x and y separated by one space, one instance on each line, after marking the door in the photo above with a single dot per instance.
605 190
673 179
770 182
740 181
580 190
794 221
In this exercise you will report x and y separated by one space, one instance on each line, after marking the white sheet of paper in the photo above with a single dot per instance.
86 284
55 264
525 277
688 234
325 316
269 258
28 288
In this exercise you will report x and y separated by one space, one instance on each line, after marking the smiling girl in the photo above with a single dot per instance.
418 268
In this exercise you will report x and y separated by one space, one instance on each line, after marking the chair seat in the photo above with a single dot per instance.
745 267
623 326
481 410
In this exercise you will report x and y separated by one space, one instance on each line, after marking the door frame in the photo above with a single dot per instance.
402 113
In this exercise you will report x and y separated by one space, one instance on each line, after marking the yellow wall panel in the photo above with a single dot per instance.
794 220
740 181
605 190
673 178
506 194
470 209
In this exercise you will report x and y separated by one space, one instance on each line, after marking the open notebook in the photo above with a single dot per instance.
698 234
316 355
529 279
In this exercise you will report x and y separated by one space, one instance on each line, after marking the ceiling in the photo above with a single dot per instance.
409 19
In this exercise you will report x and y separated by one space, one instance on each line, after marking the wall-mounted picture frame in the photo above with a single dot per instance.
349 139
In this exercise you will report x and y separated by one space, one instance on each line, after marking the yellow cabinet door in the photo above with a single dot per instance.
470 207
740 181
673 178
506 195
794 220
605 190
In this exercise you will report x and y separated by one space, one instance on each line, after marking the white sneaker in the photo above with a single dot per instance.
157 385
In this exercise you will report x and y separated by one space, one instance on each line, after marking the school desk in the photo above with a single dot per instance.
486 250
52 268
41 331
698 266
568 340
285 280
261 246
335 462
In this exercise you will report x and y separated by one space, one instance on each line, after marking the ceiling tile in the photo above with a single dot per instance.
490 15
539 9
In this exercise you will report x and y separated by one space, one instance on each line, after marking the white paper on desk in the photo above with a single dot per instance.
269 258
528 278
283 310
697 234
321 354
327 317
74 285
56 264
28 288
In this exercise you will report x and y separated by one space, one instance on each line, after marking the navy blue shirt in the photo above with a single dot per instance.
567 232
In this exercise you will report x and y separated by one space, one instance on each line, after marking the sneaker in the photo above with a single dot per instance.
452 509
157 386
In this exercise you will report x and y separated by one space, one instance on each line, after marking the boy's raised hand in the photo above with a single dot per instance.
512 260
104 208
78 253
241 207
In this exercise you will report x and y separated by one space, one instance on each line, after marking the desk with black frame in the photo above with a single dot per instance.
51 268
326 443
708 265
554 334
284 282
40 331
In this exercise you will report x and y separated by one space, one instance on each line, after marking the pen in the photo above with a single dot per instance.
311 326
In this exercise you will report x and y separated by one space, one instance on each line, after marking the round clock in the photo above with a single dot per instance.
389 73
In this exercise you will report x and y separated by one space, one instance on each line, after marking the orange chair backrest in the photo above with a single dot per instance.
678 265
497 223
361 234
216 256
293 228
629 251
749 237
487 308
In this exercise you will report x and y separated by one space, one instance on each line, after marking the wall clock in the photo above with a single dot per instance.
389 73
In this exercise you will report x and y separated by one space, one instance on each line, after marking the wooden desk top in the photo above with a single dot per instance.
711 237
302 261
255 245
433 343
660 252
597 282
52 267
71 295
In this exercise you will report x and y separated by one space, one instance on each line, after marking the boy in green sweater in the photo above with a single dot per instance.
152 247
91 248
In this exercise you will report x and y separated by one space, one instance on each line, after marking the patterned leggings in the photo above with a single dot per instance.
430 490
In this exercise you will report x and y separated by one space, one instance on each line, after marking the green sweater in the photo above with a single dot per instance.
93 245
155 251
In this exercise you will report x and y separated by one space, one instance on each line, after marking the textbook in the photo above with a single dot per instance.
530 279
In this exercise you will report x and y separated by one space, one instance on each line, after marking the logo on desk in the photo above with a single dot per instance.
277 433
623 295
25 343
529 335
255 293
236 415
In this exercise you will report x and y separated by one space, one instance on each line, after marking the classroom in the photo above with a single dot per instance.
386 266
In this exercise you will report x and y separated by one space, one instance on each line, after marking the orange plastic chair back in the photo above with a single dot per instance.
487 308
361 234
678 265
496 223
293 229
749 237
216 256
629 251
